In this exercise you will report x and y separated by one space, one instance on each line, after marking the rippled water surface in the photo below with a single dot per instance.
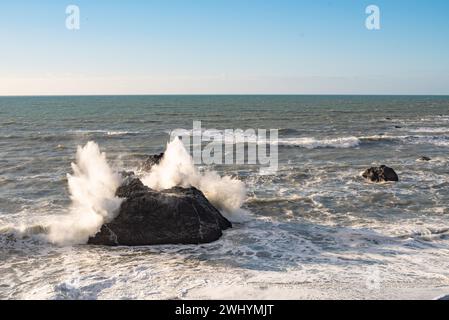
315 229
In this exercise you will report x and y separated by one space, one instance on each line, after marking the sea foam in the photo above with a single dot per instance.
92 189
314 143
177 169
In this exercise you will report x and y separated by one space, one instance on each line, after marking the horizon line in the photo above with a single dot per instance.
224 94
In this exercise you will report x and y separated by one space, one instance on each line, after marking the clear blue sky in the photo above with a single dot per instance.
224 46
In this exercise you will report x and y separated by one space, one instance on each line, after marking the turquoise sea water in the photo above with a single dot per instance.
316 229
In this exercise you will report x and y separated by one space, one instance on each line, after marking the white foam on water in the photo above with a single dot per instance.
105 132
267 260
177 169
92 189
439 141
314 143
430 130
221 136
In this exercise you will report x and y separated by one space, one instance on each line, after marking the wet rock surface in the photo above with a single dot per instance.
380 174
174 216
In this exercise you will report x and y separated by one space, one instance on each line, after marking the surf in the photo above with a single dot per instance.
177 168
92 187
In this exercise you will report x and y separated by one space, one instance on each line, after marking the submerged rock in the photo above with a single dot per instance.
380 174
173 216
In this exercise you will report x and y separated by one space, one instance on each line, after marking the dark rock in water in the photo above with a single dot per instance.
380 174
173 216
387 118
424 158
398 127
151 161
130 186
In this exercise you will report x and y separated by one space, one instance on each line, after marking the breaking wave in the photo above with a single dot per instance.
177 169
313 143
92 189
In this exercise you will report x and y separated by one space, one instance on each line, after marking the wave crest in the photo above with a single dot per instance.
313 143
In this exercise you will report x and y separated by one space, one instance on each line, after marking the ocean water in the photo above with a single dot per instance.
314 230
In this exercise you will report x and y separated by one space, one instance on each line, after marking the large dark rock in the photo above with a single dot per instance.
380 174
149 217
151 161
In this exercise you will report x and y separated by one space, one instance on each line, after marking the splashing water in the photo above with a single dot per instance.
92 189
177 169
